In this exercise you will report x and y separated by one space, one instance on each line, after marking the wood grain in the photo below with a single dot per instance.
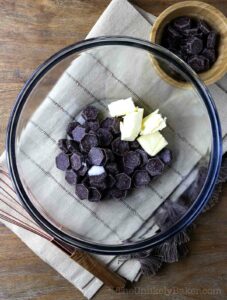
30 31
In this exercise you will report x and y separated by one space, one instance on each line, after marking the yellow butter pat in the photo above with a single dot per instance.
121 107
152 123
152 143
131 125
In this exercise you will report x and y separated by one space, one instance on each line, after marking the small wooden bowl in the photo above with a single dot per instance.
199 10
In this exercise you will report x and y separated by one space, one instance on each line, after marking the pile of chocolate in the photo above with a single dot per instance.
98 163
193 41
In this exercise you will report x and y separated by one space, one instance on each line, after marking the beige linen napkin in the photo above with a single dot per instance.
120 18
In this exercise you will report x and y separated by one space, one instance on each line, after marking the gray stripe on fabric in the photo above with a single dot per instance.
115 77
60 107
80 85
43 131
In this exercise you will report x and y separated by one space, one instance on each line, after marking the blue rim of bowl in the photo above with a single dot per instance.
216 151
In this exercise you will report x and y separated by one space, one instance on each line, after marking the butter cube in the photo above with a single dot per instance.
152 143
131 125
152 123
121 107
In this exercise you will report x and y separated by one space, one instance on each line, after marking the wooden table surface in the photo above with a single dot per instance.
31 31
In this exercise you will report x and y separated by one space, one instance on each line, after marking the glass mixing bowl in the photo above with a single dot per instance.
99 71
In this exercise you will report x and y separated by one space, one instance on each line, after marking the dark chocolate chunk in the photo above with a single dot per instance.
164 38
128 171
184 49
189 39
199 63
85 181
182 53
91 132
90 113
92 125
105 137
107 123
191 32
194 45
123 181
87 161
72 146
82 191
134 145
62 161
118 194
109 156
83 170
78 133
102 185
120 147
212 40
182 23
206 63
173 33
131 160
203 27
82 150
71 127
94 195
71 177
112 124
89 141
141 178
210 54
115 128
112 168
177 52
62 145
110 181
119 161
76 161
96 156
95 179
166 156
201 36
143 156
172 43
155 166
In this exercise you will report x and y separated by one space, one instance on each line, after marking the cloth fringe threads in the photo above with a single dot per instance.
177 247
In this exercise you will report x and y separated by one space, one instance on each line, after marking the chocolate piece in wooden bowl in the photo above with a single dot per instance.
206 26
